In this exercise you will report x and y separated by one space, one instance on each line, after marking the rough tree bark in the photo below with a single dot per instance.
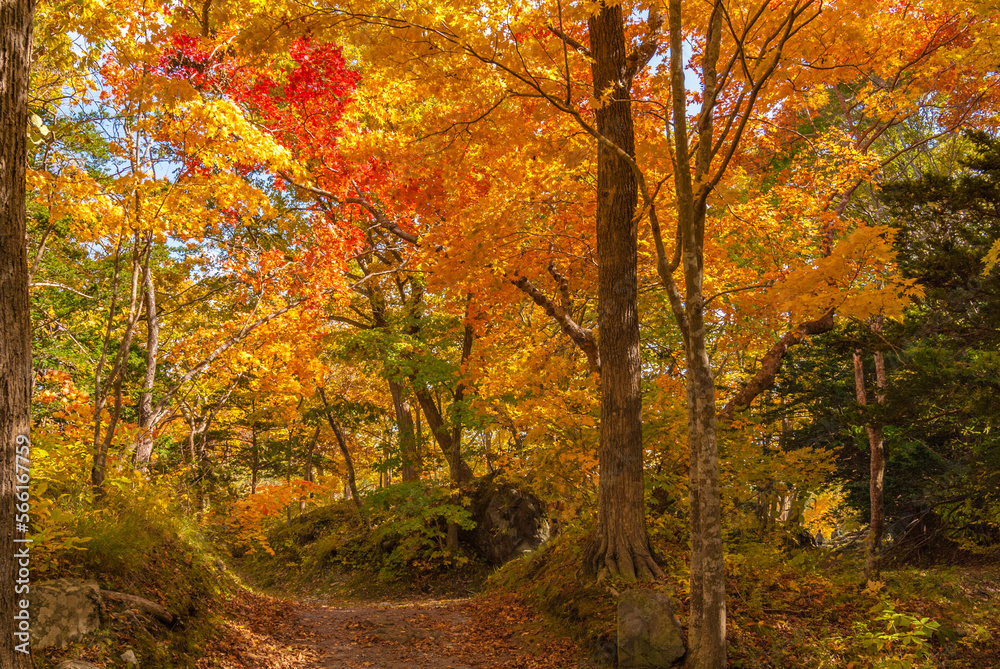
620 543
307 473
443 436
455 460
254 460
707 620
15 319
876 482
407 438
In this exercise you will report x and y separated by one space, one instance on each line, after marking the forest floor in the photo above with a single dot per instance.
264 632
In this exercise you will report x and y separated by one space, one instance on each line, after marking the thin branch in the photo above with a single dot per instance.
639 58
222 348
567 39
581 336
39 284
766 284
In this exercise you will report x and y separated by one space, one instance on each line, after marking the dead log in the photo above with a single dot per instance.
144 605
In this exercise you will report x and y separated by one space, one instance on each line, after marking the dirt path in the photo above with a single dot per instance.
499 633
405 635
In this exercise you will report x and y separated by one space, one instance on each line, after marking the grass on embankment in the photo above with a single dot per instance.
789 608
143 552
328 550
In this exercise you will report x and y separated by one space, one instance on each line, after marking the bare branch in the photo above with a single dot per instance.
569 41
581 336
647 48
563 283
771 365
41 284
222 348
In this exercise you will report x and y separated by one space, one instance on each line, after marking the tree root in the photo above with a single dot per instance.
144 605
623 558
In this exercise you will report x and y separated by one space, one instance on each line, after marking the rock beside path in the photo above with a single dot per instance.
63 611
649 634
76 664
510 521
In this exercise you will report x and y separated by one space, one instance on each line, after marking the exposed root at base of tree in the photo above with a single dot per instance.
618 556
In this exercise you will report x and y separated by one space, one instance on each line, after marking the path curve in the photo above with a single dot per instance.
496 632
392 635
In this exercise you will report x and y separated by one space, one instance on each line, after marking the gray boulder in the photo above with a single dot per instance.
63 611
76 664
649 634
510 521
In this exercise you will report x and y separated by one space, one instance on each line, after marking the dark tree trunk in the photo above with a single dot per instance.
348 461
876 446
307 474
255 459
15 317
455 460
288 471
407 437
443 436
620 543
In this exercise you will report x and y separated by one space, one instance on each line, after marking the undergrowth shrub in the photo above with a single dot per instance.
407 539
410 522
135 540
896 640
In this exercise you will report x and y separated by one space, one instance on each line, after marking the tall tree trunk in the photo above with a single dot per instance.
487 456
441 434
144 446
348 461
201 463
418 431
203 430
255 459
192 434
288 472
876 461
456 430
620 543
707 619
407 438
103 445
704 462
15 318
307 474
